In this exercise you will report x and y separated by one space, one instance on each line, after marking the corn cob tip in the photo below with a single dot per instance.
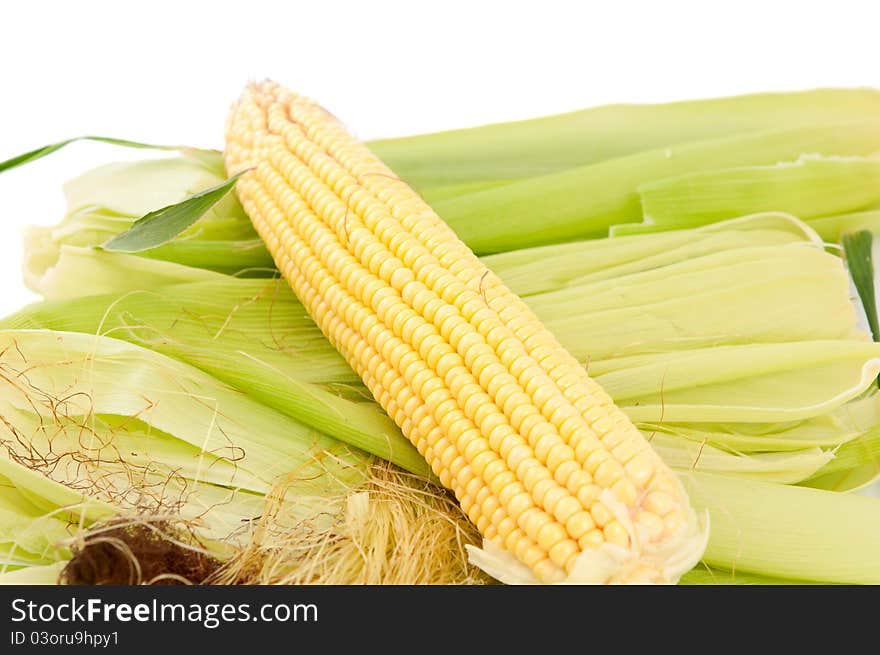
644 562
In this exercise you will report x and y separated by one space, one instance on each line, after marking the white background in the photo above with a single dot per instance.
166 72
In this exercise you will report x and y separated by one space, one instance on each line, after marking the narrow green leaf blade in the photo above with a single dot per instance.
161 226
857 249
31 155
39 153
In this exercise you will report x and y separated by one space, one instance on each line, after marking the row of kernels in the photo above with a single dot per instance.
371 290
458 290
629 488
515 491
523 499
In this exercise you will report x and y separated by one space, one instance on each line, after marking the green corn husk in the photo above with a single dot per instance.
780 467
807 188
138 187
576 203
832 228
705 575
585 202
706 384
28 534
93 427
848 422
526 269
788 532
70 272
101 376
737 297
504 152
41 574
450 191
41 513
107 200
194 249
855 465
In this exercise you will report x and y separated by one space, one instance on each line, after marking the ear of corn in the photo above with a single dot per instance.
538 455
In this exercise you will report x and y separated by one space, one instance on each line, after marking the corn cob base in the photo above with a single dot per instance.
556 478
